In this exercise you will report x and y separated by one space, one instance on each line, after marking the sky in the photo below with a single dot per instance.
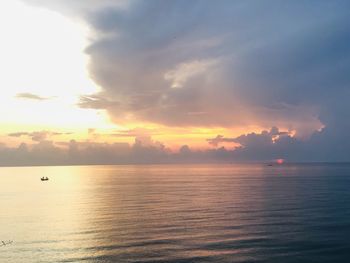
131 81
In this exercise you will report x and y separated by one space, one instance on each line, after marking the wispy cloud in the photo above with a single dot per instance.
38 135
31 96
96 102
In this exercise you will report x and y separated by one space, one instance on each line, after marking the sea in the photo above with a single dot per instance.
176 213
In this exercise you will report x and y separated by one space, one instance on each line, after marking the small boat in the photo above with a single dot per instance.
44 178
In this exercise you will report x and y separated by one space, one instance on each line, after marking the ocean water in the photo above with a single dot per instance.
176 213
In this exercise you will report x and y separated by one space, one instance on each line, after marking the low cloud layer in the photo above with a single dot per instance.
262 147
46 152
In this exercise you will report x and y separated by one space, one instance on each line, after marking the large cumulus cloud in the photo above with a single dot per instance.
235 62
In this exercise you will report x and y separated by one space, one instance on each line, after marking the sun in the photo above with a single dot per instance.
279 161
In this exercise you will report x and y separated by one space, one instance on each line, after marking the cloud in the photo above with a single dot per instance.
46 152
95 102
264 146
136 132
135 67
38 136
80 7
220 139
31 96
282 64
245 140
228 63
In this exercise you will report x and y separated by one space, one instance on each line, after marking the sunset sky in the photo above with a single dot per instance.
108 81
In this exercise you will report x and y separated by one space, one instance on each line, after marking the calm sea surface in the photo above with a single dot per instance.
168 213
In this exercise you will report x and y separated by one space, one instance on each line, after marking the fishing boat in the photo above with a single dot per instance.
44 178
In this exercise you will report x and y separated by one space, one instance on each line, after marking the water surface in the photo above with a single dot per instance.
176 213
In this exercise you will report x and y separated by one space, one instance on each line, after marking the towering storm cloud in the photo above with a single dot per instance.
225 64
